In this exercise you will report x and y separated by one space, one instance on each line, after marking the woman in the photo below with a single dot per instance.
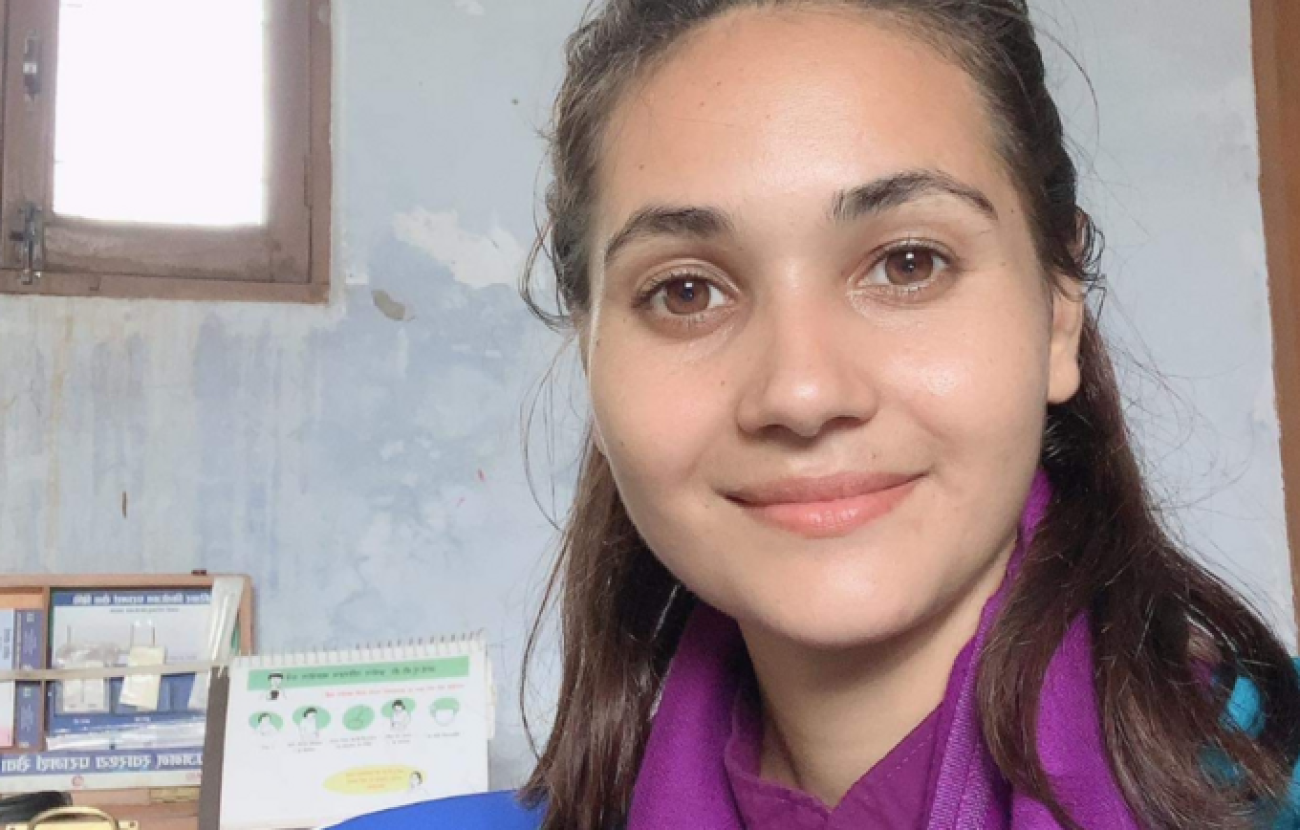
309 724
859 539
400 720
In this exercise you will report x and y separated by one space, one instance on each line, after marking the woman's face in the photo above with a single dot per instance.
821 346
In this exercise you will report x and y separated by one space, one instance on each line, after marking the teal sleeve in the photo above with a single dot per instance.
1244 710
1290 820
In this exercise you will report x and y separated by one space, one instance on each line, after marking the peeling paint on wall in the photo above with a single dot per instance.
389 307
477 260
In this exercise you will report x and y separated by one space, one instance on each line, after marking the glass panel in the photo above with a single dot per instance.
160 111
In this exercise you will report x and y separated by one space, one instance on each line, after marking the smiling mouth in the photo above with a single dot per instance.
829 516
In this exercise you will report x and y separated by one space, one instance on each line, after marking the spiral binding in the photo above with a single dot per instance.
447 645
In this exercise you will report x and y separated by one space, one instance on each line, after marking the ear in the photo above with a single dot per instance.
1066 295
582 326
581 322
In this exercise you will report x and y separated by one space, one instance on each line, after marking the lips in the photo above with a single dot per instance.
826 506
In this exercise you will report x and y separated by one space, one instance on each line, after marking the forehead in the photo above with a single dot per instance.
792 101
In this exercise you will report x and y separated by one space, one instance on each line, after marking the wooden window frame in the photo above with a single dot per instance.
285 260
1276 29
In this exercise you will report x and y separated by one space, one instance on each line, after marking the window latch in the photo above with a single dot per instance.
32 66
31 243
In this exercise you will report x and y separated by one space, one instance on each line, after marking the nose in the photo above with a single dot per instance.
811 369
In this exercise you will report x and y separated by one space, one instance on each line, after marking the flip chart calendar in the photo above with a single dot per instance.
311 739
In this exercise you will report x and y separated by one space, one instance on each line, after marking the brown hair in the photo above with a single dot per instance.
1158 619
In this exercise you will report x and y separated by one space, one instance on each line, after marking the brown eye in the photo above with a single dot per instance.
687 296
908 268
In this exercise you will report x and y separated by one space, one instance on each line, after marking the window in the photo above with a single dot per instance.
166 148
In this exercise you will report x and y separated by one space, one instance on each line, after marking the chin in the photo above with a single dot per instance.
836 623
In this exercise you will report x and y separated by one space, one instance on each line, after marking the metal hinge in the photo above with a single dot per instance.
30 239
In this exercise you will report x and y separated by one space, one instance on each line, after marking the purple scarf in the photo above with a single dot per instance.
683 781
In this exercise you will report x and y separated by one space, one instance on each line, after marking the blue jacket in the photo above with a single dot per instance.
491 811
500 810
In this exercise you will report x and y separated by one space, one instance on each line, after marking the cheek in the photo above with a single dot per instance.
660 429
657 417
978 382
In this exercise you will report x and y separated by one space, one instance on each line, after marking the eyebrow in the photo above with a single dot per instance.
901 188
660 220
848 205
